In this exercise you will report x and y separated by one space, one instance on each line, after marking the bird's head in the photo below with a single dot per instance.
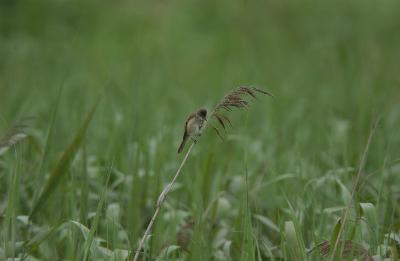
202 113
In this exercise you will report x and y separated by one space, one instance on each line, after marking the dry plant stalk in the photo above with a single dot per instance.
234 99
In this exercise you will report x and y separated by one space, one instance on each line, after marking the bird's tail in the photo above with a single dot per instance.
182 144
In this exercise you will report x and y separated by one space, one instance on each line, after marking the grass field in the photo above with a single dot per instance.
94 94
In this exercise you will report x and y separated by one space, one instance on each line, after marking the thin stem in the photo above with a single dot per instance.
146 233
160 201
355 186
164 194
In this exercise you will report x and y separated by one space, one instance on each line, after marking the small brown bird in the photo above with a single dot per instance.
193 126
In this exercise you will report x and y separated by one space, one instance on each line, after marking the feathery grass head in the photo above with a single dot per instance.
240 98
16 133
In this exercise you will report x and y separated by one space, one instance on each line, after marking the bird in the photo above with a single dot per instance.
193 125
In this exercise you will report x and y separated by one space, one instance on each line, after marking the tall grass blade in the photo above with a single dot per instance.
354 190
93 229
369 213
44 233
267 222
12 205
334 236
60 169
40 175
84 186
294 244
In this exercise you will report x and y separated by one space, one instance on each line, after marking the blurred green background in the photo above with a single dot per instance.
332 66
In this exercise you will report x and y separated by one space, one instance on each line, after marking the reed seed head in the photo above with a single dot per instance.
240 98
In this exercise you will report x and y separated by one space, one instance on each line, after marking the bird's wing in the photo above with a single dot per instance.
191 116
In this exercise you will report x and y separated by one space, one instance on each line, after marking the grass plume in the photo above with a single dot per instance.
13 135
240 98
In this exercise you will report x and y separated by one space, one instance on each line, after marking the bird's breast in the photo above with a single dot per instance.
193 126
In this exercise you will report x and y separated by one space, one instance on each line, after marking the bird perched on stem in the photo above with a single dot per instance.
193 126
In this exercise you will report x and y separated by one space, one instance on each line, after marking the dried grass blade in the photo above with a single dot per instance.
217 131
226 119
220 120
236 105
234 98
248 91
224 106
262 91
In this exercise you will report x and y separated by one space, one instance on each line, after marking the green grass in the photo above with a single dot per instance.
272 190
